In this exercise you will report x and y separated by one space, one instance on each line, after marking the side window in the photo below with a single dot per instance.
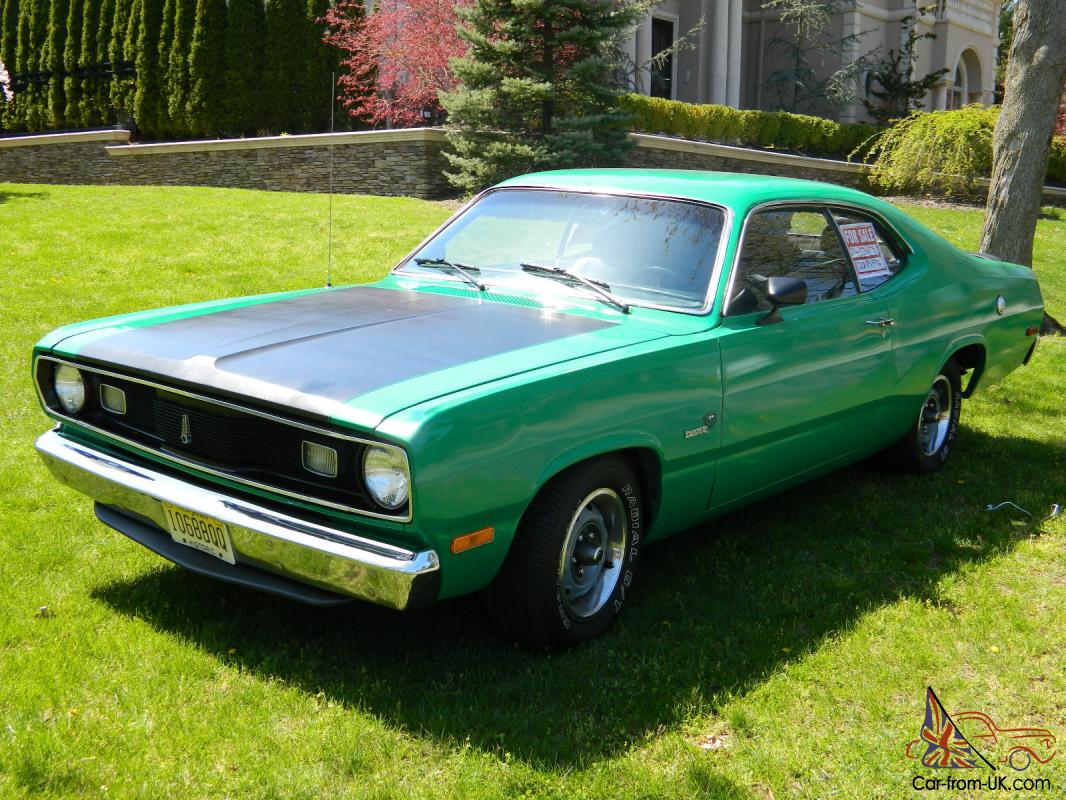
874 258
792 242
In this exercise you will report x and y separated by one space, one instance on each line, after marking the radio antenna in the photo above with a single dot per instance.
329 234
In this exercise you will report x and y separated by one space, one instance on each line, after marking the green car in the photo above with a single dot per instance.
576 365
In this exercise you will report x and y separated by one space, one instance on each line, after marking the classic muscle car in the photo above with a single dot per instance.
575 365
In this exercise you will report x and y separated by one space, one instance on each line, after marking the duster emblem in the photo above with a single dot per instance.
186 430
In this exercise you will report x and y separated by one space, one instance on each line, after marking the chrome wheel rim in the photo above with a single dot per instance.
934 421
591 560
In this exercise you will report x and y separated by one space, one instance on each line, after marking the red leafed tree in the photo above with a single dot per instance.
397 57
1060 126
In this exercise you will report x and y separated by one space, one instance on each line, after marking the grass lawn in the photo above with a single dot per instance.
783 651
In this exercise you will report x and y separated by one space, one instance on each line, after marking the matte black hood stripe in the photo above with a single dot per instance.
313 352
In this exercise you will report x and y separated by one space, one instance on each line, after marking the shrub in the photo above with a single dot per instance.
938 150
767 129
1056 169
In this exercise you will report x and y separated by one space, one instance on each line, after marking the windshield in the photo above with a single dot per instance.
645 251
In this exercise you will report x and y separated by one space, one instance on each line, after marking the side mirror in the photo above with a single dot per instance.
782 291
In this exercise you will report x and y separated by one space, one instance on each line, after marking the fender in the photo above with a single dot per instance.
597 447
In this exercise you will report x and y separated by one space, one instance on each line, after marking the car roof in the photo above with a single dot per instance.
734 190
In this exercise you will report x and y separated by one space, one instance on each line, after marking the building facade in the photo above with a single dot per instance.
743 55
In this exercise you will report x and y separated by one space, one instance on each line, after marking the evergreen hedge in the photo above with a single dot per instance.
170 67
928 150
766 129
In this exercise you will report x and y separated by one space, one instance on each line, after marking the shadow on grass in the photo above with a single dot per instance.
7 195
715 610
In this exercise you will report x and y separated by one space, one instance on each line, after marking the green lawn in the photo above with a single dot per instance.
800 634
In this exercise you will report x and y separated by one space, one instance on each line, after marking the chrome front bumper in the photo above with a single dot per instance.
268 544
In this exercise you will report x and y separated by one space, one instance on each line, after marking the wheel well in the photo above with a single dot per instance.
649 472
970 358
644 462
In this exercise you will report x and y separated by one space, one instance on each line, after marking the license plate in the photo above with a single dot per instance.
200 531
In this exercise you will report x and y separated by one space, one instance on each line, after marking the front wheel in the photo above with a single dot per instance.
572 562
927 444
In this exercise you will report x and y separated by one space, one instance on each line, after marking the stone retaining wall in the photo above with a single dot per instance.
670 153
665 152
400 162
403 162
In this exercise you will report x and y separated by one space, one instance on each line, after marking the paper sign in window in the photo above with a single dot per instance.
861 241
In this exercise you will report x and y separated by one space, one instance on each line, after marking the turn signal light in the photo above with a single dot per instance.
469 540
1032 330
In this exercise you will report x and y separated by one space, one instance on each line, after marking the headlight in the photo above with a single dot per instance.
70 388
386 475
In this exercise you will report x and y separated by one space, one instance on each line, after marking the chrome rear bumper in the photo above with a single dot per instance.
129 498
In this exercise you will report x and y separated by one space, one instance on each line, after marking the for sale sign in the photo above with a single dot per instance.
861 241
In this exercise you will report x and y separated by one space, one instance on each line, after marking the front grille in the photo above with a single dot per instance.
260 449
231 439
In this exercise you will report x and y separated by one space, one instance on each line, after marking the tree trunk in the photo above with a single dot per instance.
1036 70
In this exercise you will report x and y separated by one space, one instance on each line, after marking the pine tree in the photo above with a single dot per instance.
147 98
207 66
166 41
9 25
539 87
121 83
31 106
88 113
286 63
177 79
101 88
16 115
318 69
245 32
71 57
805 42
52 63
900 93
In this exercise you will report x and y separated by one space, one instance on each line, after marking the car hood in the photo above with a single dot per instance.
320 353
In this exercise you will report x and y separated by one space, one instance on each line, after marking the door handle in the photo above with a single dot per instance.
883 323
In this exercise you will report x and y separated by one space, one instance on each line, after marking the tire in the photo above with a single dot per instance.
927 444
1020 759
571 565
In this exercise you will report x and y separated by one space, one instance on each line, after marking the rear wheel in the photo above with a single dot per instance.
927 444
572 562
1019 759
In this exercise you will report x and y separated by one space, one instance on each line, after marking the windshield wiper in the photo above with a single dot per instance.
559 273
462 270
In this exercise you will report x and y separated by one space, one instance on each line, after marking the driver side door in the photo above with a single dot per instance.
801 395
